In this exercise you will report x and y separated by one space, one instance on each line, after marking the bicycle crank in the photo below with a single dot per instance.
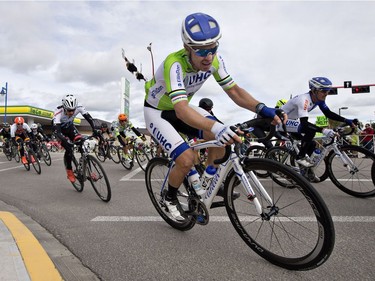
198 211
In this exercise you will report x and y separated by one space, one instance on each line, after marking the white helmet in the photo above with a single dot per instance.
69 102
34 126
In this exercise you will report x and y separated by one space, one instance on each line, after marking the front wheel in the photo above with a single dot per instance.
353 172
126 160
156 177
142 158
98 178
295 230
45 155
32 158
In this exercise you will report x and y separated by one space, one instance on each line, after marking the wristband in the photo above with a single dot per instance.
259 107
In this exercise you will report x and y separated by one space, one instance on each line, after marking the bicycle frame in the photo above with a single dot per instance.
222 172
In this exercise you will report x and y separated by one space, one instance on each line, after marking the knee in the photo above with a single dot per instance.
186 160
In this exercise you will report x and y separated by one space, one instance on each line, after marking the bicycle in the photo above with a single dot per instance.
10 151
291 228
351 168
137 150
43 153
106 149
30 156
89 168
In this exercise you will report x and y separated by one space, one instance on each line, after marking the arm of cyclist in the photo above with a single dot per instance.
89 119
331 115
245 100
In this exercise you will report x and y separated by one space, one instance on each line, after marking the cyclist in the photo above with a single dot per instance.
65 129
167 110
19 132
368 135
103 141
280 103
39 136
298 109
121 129
5 134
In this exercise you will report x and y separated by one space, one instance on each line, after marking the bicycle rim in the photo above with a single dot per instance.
358 179
155 177
98 179
126 162
299 235
79 183
46 156
35 163
114 154
142 159
100 153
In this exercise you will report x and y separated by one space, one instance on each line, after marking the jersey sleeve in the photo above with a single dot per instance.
174 81
221 75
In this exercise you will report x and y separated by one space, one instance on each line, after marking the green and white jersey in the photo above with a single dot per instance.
118 128
176 80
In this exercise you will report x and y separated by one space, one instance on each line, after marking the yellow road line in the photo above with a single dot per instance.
37 262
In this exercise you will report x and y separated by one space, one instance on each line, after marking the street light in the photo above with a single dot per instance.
152 58
343 108
4 92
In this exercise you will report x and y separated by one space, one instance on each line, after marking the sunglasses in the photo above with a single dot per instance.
70 110
205 52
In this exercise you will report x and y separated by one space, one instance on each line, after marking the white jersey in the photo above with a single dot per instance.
61 118
16 131
299 106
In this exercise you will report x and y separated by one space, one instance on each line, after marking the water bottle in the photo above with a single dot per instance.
316 155
207 176
193 178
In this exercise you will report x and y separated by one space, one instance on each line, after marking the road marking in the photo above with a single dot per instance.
129 176
21 166
226 219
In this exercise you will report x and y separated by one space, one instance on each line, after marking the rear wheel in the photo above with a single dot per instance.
142 159
79 183
100 153
295 230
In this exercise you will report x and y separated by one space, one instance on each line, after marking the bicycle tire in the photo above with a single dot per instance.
360 180
36 164
46 155
80 181
8 152
127 163
27 164
17 155
155 177
299 235
100 153
142 159
114 154
257 151
98 178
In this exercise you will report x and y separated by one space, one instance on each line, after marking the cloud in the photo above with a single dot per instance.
271 48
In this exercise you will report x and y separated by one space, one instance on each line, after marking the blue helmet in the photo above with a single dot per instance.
320 83
199 29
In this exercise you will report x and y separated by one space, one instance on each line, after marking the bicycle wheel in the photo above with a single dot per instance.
26 165
45 155
100 153
295 232
32 158
98 178
8 153
79 183
127 162
156 175
357 178
114 154
142 158
257 151
16 154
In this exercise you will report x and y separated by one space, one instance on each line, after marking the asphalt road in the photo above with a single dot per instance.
125 239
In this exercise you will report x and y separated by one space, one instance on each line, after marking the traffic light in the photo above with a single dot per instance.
360 89
333 91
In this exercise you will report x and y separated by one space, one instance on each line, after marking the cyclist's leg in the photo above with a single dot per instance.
160 125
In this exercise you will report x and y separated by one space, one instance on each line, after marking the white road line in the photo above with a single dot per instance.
21 166
361 219
129 176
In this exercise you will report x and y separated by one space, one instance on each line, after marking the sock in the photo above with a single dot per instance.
172 192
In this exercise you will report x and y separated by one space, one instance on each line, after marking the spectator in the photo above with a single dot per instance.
368 137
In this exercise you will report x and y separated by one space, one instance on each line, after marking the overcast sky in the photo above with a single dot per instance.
271 48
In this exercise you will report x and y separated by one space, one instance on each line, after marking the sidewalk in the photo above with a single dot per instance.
29 252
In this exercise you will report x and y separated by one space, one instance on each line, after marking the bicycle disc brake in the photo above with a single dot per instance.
198 211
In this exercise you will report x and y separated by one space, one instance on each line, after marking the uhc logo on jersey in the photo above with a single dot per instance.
198 78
